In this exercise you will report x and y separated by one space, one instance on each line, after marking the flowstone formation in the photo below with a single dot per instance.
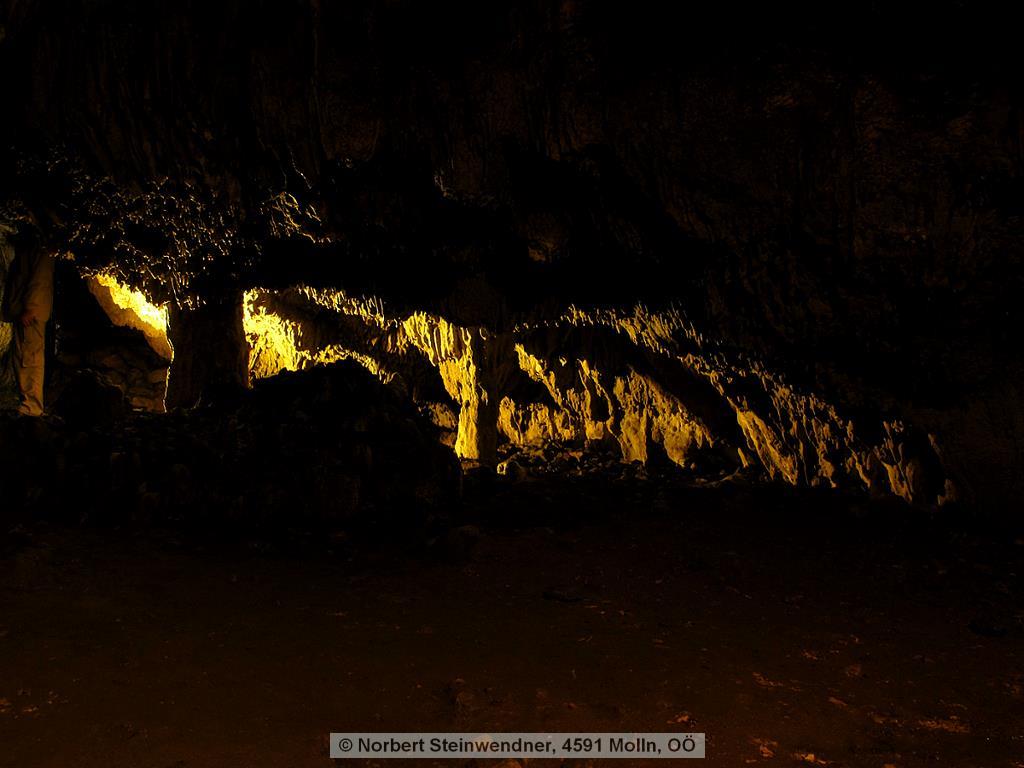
714 237
645 382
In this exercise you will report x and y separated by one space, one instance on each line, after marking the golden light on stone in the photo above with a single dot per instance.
130 308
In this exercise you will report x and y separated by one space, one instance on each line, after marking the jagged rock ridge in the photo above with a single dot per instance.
839 220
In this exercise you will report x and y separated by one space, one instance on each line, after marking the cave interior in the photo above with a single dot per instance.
513 366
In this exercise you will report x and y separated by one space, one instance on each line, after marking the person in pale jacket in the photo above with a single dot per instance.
27 303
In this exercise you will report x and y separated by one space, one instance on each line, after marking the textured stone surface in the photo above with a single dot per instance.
838 220
105 330
642 382
210 356
131 309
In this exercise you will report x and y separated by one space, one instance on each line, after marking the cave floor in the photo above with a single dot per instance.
792 628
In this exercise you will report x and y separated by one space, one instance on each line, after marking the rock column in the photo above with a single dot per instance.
211 355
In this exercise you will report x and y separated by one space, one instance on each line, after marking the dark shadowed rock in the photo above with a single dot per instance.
87 401
312 450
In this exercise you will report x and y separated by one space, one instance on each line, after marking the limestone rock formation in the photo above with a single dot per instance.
131 309
643 381
717 234
103 329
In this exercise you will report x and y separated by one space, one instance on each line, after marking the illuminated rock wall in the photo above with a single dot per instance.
131 309
839 221
637 380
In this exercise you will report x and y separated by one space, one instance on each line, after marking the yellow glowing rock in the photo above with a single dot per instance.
130 308
737 408
272 345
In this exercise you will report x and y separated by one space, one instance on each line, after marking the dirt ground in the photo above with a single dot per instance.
792 628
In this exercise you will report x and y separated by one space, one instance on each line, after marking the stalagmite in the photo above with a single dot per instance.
211 355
